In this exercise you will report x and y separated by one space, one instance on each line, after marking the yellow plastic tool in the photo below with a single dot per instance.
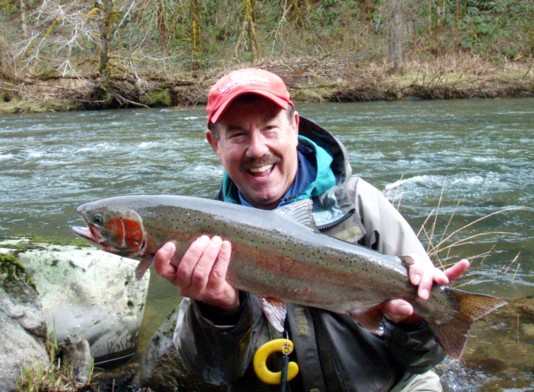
284 346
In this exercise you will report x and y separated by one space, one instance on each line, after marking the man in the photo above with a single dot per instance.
273 157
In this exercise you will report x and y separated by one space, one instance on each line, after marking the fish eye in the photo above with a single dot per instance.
98 218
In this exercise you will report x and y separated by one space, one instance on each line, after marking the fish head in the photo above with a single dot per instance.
115 230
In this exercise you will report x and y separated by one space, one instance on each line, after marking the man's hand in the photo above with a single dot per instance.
422 275
201 273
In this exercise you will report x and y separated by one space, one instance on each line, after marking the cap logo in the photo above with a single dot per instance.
243 78
249 80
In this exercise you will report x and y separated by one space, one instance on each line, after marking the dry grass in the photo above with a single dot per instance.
57 377
457 75
444 243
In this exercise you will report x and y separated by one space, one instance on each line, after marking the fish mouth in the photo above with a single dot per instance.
89 233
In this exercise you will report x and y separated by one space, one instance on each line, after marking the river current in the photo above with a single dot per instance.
445 164
461 158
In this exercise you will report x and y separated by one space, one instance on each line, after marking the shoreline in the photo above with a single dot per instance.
446 78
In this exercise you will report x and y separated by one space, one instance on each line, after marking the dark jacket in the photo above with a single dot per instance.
332 351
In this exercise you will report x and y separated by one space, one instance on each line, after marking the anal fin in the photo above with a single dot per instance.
275 311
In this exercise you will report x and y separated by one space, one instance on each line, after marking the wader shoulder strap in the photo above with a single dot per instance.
307 353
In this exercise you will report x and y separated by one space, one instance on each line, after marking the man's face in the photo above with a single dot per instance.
257 146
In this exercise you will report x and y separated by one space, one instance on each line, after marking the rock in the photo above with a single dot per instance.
160 368
87 294
22 324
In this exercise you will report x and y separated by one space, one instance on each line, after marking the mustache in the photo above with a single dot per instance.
268 159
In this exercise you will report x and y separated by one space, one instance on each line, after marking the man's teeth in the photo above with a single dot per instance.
261 169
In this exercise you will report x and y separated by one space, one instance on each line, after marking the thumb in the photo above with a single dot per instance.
164 262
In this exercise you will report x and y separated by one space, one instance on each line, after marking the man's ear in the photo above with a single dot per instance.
212 140
296 119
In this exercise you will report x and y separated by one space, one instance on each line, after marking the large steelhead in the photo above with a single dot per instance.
278 254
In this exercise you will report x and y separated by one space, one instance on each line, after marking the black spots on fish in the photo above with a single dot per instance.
241 238
262 242
283 247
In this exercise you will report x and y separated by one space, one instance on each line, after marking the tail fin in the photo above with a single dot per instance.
453 334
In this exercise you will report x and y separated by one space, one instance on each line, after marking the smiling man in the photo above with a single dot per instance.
258 148
273 157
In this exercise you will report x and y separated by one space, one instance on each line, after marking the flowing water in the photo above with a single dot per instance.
465 159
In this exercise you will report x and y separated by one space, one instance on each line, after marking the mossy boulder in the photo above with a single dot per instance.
23 327
85 293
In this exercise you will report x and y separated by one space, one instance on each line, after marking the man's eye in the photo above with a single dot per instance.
271 129
237 136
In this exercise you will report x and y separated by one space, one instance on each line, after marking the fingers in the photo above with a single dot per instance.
201 273
424 275
205 267
195 266
218 291
426 280
218 272
457 270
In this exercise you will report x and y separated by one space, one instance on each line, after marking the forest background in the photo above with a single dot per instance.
64 55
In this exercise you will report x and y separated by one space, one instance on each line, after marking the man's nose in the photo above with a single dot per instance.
257 147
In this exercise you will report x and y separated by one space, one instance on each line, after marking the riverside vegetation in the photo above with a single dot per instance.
67 55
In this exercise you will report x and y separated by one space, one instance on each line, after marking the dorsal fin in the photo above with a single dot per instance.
299 211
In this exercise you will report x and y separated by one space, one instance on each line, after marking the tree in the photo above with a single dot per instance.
56 30
249 29
107 20
195 32
298 9
162 25
397 21
23 22
7 62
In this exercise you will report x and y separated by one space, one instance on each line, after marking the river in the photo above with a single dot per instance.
448 163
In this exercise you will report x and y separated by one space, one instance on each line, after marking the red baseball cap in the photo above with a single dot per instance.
246 81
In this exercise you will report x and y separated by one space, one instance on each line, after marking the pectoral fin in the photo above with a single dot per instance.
370 319
143 266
